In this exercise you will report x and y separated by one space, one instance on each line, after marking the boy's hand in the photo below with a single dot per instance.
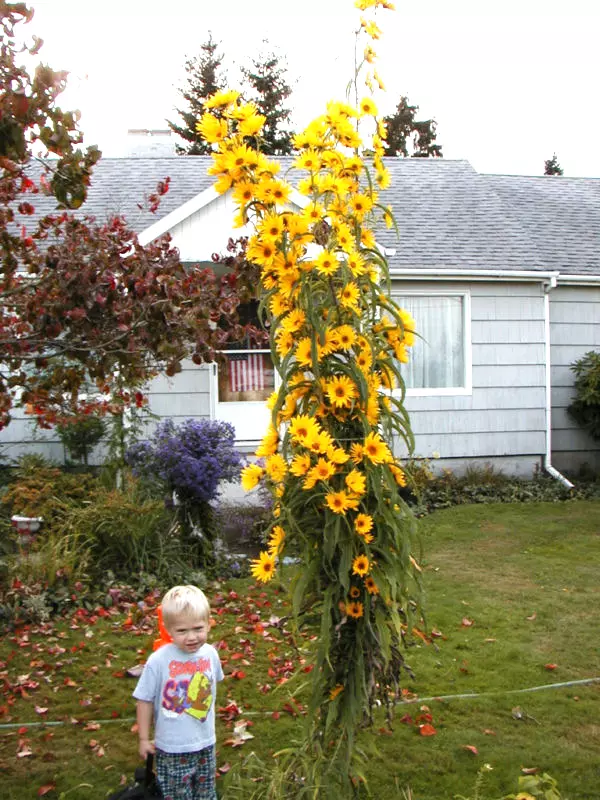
146 747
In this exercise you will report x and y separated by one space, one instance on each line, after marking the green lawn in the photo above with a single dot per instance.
512 597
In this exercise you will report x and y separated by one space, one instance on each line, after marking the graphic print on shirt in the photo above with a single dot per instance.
192 695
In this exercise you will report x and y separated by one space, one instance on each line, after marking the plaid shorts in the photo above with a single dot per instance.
187 776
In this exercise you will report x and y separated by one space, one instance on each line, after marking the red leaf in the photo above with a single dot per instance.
224 768
48 787
427 730
471 748
550 666
276 715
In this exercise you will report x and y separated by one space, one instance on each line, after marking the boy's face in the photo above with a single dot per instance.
189 632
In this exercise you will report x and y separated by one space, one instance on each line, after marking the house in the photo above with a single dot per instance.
501 272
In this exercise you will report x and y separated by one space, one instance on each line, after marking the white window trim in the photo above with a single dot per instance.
446 391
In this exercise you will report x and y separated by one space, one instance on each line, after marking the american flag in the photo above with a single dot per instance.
246 372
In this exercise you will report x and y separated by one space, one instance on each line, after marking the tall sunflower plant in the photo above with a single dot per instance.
338 340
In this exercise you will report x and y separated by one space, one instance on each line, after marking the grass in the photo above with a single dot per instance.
512 596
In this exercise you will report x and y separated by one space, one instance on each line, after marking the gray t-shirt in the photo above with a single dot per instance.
183 688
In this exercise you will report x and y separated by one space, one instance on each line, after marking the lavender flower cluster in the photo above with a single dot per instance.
190 459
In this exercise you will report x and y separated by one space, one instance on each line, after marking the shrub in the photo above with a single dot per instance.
80 435
40 489
585 409
127 537
191 459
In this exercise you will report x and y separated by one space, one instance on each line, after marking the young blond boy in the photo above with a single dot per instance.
177 690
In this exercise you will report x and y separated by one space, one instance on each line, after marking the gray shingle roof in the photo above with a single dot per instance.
450 216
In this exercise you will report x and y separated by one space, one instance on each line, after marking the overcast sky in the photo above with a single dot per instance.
508 82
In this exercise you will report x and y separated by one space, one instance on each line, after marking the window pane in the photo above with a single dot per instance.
437 359
247 376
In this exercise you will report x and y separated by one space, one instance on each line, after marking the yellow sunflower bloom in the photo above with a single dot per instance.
346 336
300 464
278 305
367 238
284 341
268 446
244 192
276 467
341 391
251 476
212 129
318 442
361 204
376 450
327 263
261 252
355 610
371 586
363 524
364 361
356 263
308 159
373 411
337 455
276 540
367 107
251 125
356 482
357 452
398 474
303 352
322 471
221 99
271 226
293 321
340 502
349 295
263 567
360 566
303 426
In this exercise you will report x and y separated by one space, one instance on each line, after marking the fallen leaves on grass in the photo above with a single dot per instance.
471 748
240 734
47 787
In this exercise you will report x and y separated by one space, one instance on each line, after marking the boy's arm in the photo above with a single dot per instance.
144 714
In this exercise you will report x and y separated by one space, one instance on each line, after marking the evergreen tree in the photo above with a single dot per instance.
552 167
407 136
203 80
266 79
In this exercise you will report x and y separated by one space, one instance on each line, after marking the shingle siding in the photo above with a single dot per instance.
574 330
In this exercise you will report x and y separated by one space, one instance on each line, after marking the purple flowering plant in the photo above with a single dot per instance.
190 459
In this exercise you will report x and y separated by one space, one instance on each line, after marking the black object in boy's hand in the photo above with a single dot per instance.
145 786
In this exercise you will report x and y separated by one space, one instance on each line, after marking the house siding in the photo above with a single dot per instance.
574 330
503 418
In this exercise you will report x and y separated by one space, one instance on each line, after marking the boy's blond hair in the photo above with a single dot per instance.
184 600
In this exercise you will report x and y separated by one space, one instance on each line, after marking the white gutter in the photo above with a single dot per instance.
548 455
579 280
514 275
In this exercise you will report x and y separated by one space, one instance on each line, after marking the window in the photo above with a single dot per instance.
440 361
249 374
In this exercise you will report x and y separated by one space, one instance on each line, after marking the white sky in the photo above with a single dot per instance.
509 82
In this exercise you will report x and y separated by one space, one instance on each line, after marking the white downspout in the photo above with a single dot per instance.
548 286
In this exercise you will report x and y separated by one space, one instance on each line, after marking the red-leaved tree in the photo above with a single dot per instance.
86 311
